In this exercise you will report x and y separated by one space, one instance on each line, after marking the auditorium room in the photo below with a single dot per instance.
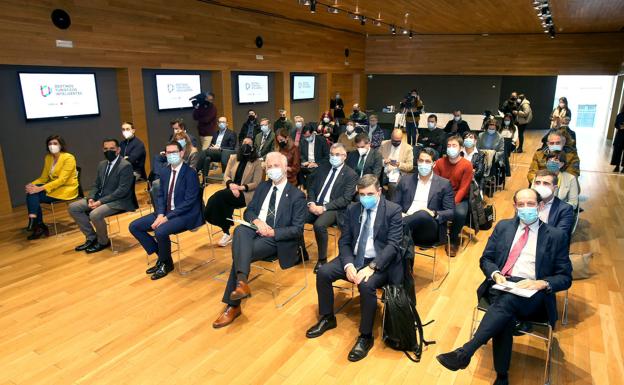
312 192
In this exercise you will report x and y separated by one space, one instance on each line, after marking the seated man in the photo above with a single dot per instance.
329 194
223 139
265 140
432 136
133 150
554 211
251 127
296 131
159 161
358 117
282 122
556 142
111 194
365 160
375 132
398 160
313 151
178 208
456 126
459 172
369 257
426 200
277 210
523 250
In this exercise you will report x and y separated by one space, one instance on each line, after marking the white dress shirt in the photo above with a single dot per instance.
544 213
173 181
525 264
264 210
421 198
326 199
468 156
220 138
369 252
311 149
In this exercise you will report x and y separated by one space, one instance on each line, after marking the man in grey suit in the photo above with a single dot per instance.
112 193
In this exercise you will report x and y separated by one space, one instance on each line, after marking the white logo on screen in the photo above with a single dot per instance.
302 85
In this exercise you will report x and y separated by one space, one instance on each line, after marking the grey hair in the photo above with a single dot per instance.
282 158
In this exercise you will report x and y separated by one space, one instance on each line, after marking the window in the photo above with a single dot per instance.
586 115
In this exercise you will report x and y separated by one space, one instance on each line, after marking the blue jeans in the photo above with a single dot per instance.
33 203
459 220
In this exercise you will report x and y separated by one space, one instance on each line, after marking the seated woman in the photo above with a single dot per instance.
347 138
58 182
242 175
509 132
472 154
489 141
327 127
568 188
287 147
191 153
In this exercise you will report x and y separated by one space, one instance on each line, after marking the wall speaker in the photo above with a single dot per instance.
60 19
347 52
259 41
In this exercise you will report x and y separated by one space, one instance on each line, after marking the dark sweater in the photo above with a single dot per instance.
134 150
206 117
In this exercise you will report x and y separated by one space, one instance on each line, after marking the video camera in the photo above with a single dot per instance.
199 100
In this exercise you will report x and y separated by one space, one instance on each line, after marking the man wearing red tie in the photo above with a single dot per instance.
533 254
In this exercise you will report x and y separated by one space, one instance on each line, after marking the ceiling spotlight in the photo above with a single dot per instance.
405 32
393 29
411 34
552 32
333 10
306 3
362 20
313 6
377 23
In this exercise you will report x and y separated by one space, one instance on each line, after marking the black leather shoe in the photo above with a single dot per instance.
361 348
85 245
455 360
97 247
40 230
153 269
162 271
318 265
32 222
501 379
325 323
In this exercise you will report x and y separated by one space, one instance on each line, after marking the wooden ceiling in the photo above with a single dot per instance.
450 16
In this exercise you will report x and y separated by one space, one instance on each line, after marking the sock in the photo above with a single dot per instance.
368 335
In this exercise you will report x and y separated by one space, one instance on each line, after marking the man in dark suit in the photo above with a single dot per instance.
457 125
365 160
250 128
330 193
111 193
224 140
427 201
133 150
555 212
313 150
533 254
265 140
277 210
178 208
369 257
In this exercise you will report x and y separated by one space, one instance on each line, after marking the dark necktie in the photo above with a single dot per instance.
270 218
171 186
108 167
364 235
321 198
360 165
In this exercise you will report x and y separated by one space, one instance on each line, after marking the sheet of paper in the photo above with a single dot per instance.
510 287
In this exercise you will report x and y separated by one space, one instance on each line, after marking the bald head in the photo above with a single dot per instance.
526 197
397 134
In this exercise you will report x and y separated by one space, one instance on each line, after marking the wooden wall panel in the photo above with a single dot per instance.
573 54
344 84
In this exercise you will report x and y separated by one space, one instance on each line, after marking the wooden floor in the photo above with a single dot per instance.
71 318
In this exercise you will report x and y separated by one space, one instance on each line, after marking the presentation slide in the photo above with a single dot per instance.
58 95
253 88
174 91
303 87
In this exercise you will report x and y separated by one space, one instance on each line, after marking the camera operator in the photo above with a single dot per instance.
205 113
412 106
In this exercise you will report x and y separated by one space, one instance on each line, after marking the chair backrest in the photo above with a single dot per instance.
78 175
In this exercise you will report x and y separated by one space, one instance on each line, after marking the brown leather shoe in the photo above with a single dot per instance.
452 252
227 317
242 291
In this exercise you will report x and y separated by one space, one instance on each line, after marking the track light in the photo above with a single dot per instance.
393 29
411 34
362 20
333 10
306 3
377 23
312 6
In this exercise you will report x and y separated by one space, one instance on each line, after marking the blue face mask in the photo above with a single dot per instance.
335 161
173 158
491 131
452 152
424 169
264 129
222 126
528 215
182 142
552 166
555 147
310 138
275 174
368 201
469 143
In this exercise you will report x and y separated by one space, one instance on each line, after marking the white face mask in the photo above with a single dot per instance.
457 118
362 151
543 191
350 129
431 125
54 148
326 120
127 134
275 174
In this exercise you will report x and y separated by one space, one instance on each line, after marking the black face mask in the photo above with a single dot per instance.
251 117
282 144
396 143
110 155
513 99
282 118
356 111
246 150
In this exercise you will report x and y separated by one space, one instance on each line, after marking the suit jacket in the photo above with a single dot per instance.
377 137
252 175
342 192
291 212
268 146
435 139
134 150
118 189
387 237
321 151
254 125
406 155
62 182
552 262
561 216
228 142
462 127
372 165
187 197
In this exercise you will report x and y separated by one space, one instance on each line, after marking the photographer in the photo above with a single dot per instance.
205 113
412 106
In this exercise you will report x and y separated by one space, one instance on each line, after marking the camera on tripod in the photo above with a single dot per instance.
199 100
410 102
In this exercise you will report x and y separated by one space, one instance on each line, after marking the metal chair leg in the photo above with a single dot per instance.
54 218
296 293
564 315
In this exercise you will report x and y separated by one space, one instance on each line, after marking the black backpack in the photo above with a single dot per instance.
402 328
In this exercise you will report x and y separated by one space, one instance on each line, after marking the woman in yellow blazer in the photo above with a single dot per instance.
242 175
58 182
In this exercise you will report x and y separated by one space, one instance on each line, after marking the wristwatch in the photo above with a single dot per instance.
373 266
